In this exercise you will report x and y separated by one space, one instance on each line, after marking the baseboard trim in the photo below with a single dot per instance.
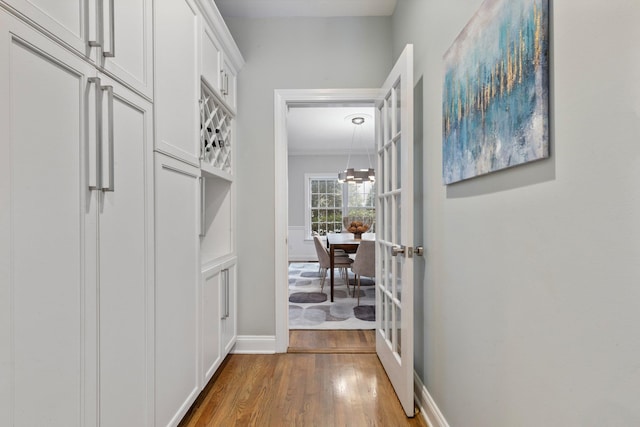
428 408
255 344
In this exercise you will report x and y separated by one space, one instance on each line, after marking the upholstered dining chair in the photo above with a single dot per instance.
343 262
365 263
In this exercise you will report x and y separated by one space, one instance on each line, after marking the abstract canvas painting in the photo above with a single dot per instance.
496 90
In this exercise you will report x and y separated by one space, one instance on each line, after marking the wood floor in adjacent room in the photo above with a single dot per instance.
310 387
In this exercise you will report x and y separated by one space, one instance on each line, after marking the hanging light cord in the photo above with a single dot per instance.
353 137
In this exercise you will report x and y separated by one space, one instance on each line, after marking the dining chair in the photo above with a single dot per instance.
343 262
365 263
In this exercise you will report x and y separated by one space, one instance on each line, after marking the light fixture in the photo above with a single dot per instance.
357 175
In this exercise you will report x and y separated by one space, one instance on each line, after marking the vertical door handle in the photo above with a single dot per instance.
112 32
202 205
111 187
98 146
226 281
224 83
99 26
202 128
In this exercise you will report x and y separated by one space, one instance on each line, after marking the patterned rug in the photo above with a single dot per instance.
311 309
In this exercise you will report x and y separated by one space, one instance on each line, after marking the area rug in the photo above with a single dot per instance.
309 308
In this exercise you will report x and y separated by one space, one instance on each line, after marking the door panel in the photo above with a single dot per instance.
67 20
177 202
125 286
130 43
394 245
45 265
176 37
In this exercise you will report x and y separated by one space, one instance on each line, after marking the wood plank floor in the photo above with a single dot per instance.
299 390
334 341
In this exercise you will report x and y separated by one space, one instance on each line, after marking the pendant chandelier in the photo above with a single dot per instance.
357 175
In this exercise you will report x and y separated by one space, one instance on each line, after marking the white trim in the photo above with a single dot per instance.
282 99
428 408
255 344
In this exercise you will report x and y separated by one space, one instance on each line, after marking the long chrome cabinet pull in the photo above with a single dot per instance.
99 26
225 278
223 83
111 186
112 32
228 295
98 93
203 183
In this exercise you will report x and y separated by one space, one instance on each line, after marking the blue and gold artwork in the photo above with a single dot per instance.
496 90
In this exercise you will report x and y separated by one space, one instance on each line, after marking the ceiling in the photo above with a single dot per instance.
309 8
318 129
329 130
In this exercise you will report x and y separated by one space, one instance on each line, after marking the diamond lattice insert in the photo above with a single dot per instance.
215 131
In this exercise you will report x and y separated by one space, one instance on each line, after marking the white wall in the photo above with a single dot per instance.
531 301
294 53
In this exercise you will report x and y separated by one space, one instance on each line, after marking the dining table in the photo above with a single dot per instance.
348 243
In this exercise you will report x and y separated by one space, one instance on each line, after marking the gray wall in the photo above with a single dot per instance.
295 53
530 303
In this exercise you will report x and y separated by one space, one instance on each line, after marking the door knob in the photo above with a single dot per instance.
395 250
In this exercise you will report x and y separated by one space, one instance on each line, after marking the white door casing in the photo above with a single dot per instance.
282 100
394 234
399 366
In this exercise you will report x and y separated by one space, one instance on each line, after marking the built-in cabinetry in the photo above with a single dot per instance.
117 263
116 36
196 64
76 229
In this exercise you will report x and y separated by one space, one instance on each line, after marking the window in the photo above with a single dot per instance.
324 204
328 201
362 202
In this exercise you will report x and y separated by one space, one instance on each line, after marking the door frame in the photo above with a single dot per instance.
283 98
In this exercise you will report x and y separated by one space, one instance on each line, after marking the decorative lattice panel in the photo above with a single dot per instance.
215 131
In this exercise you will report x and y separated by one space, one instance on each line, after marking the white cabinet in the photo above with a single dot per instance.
127 42
73 22
228 304
115 35
211 58
126 273
218 315
211 282
217 69
46 265
220 58
228 78
177 35
76 264
178 193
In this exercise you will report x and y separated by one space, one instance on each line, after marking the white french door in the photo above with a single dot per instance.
394 234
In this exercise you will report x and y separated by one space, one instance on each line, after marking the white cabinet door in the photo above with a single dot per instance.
211 58
177 224
212 281
125 322
228 308
177 83
228 83
127 34
47 219
71 21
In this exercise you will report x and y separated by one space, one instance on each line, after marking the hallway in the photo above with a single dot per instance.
300 389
